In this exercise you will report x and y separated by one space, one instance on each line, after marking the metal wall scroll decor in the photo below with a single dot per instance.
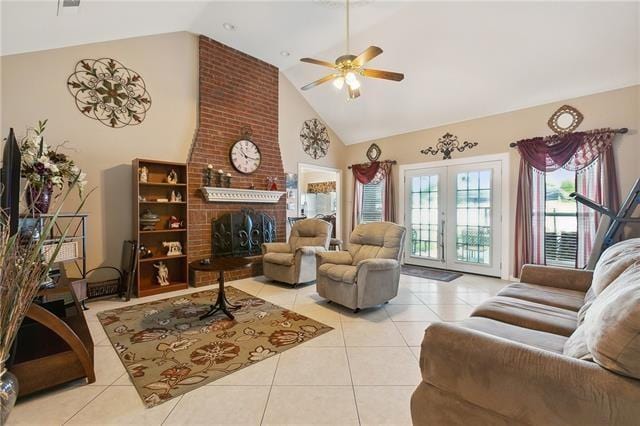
107 91
315 138
565 120
373 153
447 144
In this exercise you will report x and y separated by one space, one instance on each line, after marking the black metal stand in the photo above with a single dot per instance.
222 303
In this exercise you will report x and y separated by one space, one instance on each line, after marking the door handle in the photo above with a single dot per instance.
442 240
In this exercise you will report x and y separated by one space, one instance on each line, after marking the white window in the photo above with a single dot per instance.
561 223
371 202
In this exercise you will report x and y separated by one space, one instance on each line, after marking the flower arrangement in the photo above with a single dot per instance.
45 167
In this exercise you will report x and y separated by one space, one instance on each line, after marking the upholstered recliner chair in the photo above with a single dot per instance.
295 262
368 273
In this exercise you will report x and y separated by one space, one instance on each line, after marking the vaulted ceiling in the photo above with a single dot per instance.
461 60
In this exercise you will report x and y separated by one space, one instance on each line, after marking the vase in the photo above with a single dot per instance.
39 199
8 393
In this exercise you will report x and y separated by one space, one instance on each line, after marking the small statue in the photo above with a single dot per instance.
179 197
172 177
175 223
143 174
174 248
145 253
172 198
163 273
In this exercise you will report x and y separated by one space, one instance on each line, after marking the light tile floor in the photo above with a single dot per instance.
362 372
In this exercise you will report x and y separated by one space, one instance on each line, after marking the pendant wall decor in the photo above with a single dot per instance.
446 145
565 120
315 138
373 153
107 91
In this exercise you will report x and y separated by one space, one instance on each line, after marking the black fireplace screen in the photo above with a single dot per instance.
242 233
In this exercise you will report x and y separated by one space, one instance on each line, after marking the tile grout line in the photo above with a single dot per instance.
273 379
353 389
85 405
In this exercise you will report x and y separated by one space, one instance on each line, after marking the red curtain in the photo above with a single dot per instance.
574 151
372 172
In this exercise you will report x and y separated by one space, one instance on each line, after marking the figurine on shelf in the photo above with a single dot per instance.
175 223
208 177
172 177
252 186
272 184
141 198
145 253
143 174
163 273
174 248
179 197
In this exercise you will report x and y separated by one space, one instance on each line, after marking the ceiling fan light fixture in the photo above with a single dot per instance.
350 78
338 82
354 84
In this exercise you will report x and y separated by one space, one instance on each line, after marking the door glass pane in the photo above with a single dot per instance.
424 216
473 214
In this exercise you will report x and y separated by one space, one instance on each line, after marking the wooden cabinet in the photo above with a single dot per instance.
145 197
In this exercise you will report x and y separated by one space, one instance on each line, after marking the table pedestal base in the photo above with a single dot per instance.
222 303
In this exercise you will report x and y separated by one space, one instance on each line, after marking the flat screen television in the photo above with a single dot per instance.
10 180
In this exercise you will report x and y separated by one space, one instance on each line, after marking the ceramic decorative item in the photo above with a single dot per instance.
143 174
174 248
272 183
175 223
148 220
162 275
172 177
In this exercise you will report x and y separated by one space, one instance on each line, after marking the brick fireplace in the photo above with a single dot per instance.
236 91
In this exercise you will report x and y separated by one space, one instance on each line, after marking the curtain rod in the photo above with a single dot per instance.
621 131
369 162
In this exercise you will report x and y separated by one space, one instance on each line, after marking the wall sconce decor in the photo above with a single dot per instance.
446 145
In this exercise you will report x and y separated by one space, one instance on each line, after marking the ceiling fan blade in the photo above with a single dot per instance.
318 62
353 93
319 81
386 75
369 53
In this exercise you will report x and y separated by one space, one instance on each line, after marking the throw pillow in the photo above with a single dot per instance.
614 260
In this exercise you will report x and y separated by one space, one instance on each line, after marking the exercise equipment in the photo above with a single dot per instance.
611 223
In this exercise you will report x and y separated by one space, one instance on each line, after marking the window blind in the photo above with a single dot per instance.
371 203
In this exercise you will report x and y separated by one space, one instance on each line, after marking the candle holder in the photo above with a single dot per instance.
226 180
208 175
219 178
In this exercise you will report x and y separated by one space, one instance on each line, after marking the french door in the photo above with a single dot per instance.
453 217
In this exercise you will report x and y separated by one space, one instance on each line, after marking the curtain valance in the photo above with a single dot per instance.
571 151
365 173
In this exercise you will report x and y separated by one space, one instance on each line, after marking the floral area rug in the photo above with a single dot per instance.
168 351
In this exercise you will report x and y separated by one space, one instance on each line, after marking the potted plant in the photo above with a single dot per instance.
23 269
45 168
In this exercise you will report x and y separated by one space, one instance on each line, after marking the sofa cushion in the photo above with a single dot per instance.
539 339
614 261
612 325
524 313
285 259
558 297
344 273
576 345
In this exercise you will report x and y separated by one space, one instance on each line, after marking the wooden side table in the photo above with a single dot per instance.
221 265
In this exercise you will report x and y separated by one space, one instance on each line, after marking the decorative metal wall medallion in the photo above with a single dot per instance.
447 144
107 91
373 153
565 120
315 138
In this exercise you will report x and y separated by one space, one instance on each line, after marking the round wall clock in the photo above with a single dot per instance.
314 138
245 156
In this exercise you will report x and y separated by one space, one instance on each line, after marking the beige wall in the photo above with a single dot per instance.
295 110
34 87
618 108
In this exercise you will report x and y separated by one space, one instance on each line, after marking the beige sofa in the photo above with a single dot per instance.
562 347
368 273
295 262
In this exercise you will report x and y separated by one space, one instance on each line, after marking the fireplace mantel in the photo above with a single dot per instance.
237 195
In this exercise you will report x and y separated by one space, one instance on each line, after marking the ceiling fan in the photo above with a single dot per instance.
347 68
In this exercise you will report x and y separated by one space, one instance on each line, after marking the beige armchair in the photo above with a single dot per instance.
368 273
295 262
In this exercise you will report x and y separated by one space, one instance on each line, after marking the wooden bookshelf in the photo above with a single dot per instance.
157 187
